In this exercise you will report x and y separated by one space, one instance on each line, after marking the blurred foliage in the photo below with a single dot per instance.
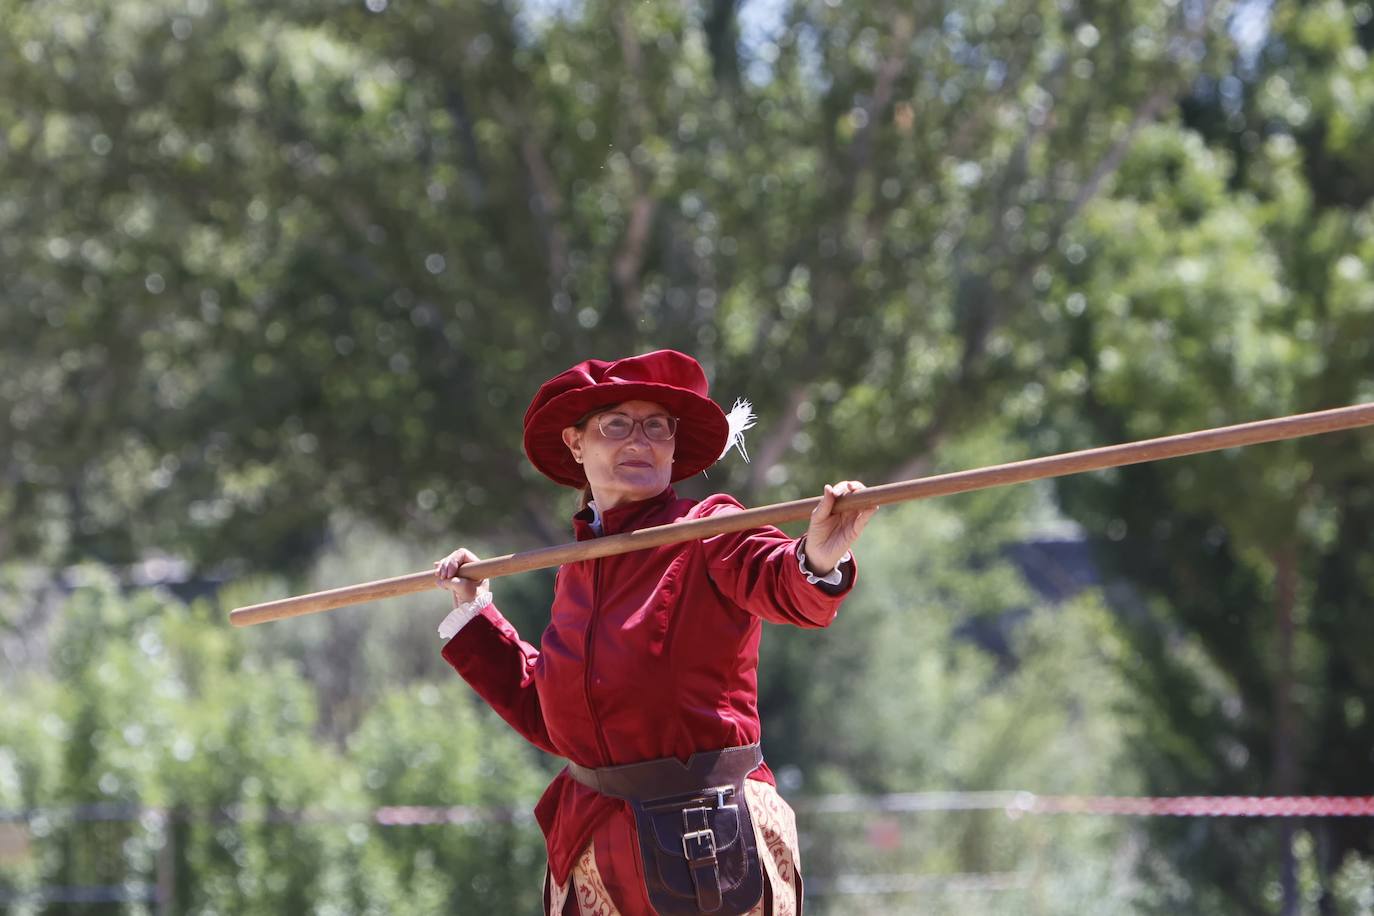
155 703
151 703
1227 278
903 694
266 261
277 280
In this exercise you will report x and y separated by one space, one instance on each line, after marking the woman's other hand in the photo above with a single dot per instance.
447 570
831 533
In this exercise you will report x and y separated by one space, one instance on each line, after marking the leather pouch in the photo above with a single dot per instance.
696 837
699 853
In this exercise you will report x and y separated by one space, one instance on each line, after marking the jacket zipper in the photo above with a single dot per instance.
589 653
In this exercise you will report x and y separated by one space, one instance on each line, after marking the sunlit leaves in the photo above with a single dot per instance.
156 707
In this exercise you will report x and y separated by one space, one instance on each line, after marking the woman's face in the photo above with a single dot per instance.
622 470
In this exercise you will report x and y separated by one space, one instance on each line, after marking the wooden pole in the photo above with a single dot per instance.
1207 440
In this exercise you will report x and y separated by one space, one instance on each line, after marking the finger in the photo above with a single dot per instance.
825 506
861 521
832 493
463 588
852 487
450 564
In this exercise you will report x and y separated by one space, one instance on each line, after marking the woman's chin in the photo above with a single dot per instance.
640 483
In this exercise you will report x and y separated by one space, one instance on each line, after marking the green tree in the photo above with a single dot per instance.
1222 283
899 695
429 745
264 262
245 809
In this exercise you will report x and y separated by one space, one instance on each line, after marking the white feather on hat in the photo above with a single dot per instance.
740 418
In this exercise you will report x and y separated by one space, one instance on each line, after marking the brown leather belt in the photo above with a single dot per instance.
668 776
696 838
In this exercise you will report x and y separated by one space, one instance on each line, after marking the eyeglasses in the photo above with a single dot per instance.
659 428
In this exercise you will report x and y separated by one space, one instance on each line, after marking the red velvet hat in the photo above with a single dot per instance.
665 377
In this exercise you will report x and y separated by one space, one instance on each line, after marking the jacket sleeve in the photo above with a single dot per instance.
759 570
499 665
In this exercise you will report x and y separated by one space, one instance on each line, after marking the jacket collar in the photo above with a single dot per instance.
624 517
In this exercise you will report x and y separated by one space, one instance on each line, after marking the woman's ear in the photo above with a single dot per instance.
572 438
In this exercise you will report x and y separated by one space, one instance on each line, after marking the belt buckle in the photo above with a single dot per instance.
699 846
715 796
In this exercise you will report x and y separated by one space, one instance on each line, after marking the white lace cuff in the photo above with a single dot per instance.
459 616
834 577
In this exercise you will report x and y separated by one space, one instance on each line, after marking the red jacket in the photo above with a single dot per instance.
648 654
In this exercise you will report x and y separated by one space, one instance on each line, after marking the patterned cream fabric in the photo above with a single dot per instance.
775 829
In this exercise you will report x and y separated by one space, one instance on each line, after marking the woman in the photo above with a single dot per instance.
645 679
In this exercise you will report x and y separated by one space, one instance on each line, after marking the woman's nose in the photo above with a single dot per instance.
638 436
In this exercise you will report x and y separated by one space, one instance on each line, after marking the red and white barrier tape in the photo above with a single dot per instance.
1013 804
1017 804
1208 805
